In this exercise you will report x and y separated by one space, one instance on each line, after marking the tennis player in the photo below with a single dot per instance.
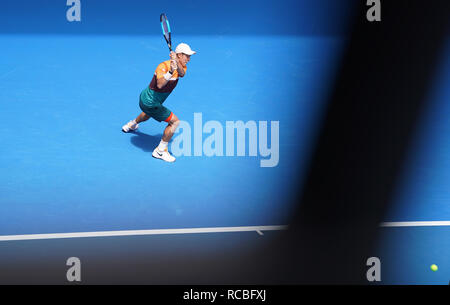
152 98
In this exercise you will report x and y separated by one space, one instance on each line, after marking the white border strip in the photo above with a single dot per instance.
416 224
258 229
140 232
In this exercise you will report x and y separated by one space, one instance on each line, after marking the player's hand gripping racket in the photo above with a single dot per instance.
166 30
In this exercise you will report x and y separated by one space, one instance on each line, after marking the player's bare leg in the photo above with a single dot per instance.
171 128
134 124
142 118
161 152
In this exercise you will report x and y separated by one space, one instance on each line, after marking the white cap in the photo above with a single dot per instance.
184 48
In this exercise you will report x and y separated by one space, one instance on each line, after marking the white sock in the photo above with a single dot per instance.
162 146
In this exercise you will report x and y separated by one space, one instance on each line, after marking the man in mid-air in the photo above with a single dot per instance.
152 98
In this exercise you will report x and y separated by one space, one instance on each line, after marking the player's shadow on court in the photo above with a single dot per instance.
144 141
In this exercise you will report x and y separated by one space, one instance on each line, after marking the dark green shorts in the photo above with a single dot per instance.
150 105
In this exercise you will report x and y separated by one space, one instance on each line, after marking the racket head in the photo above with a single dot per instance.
165 26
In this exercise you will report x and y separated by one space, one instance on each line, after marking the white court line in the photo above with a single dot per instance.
416 224
140 232
258 229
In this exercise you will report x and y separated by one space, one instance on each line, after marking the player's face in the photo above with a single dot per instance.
184 59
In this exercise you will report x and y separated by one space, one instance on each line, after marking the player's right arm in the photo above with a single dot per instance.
163 76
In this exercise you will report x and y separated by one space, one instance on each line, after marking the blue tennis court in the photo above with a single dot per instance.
66 89
423 196
68 167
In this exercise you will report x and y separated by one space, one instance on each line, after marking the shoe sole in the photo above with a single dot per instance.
163 159
129 130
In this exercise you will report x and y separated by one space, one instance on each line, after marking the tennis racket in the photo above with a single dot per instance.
166 30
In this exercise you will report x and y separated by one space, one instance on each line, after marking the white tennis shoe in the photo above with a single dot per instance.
130 126
164 155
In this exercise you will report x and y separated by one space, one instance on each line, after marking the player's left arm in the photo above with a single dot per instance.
181 71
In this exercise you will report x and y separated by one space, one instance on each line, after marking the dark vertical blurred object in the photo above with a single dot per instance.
379 95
